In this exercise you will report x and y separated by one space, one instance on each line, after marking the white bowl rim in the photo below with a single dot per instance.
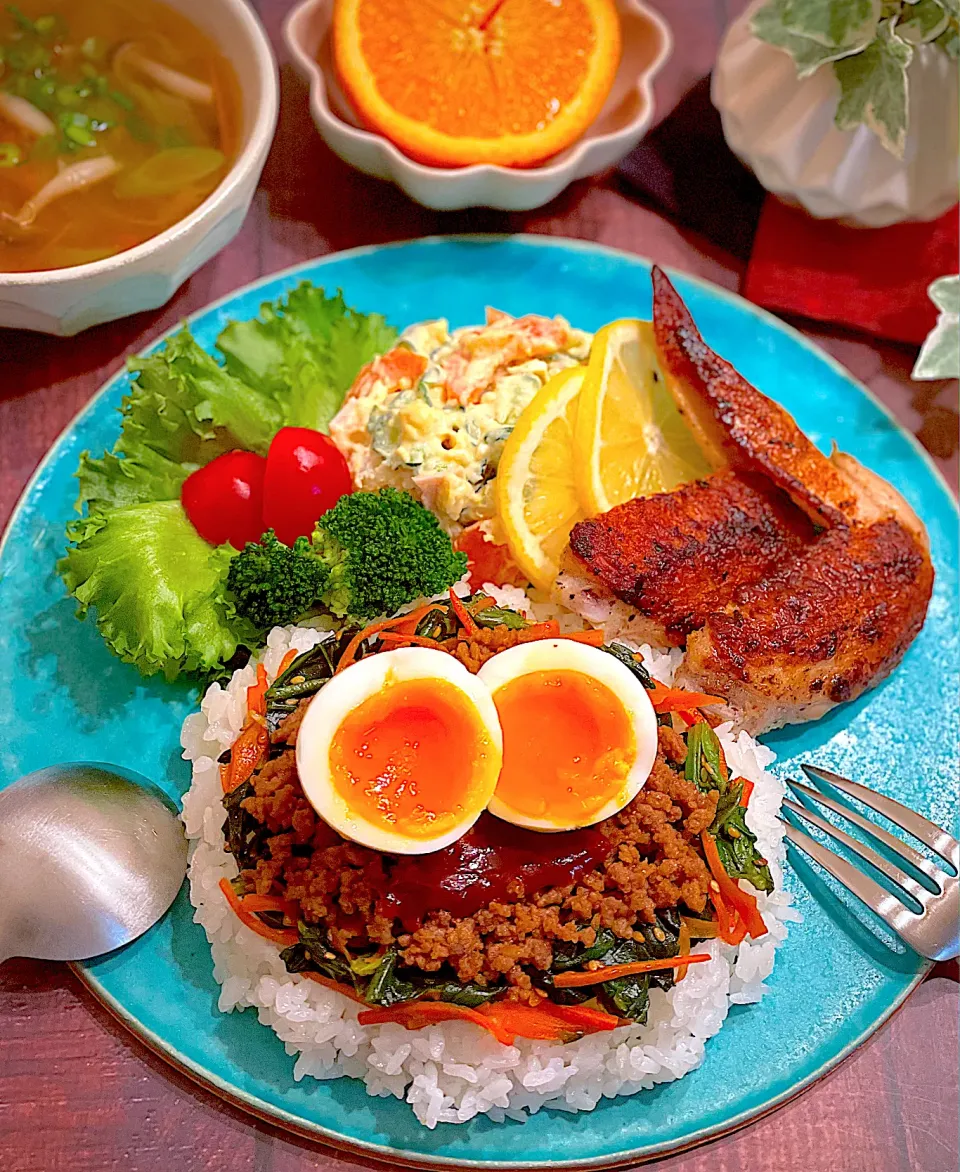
248 160
520 175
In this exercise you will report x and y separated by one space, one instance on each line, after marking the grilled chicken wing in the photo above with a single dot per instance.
657 566
735 423
796 580
832 622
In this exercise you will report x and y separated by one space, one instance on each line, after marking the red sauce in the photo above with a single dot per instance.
478 867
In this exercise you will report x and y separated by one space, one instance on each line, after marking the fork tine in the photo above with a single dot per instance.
904 850
887 906
919 893
922 828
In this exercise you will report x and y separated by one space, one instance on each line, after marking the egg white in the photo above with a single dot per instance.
341 696
606 669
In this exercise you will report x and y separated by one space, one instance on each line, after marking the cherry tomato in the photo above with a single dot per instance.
224 499
487 561
306 475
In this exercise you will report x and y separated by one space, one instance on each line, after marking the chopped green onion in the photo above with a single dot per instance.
45 24
121 99
68 95
80 135
21 18
9 154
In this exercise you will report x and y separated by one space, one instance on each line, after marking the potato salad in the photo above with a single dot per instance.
431 415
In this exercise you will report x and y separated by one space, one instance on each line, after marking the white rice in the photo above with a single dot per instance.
451 1072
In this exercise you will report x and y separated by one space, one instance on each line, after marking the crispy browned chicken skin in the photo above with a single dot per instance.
830 623
797 581
677 557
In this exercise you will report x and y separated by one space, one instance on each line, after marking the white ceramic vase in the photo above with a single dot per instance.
783 129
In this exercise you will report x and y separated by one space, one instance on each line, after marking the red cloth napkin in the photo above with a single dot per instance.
872 279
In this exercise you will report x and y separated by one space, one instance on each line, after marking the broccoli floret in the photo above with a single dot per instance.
384 549
273 584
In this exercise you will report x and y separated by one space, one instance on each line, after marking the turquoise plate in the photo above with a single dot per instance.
838 977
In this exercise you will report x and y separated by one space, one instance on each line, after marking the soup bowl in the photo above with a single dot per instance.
65 301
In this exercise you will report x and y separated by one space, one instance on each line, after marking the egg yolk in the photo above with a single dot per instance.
568 745
415 757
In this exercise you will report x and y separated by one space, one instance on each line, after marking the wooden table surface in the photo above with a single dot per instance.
78 1093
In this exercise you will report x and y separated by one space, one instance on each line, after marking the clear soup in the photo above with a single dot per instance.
117 119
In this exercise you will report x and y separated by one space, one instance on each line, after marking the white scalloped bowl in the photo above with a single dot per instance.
782 127
65 301
622 122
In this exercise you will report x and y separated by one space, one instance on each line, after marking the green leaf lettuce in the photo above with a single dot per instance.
305 351
157 587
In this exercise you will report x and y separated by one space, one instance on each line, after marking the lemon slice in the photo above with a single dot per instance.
630 439
536 495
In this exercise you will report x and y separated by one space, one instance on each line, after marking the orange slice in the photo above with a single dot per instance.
455 82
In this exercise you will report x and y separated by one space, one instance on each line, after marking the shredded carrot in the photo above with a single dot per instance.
482 604
683 942
393 639
246 754
747 791
666 699
464 617
285 937
529 1022
726 920
591 638
350 651
584 1019
730 926
407 623
548 630
612 971
272 903
401 620
287 660
690 718
742 901
329 983
414 1015
504 1019
257 693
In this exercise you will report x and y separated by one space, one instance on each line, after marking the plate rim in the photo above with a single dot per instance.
279 1116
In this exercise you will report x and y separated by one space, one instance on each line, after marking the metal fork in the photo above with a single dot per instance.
933 931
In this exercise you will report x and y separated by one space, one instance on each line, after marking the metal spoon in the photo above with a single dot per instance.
90 858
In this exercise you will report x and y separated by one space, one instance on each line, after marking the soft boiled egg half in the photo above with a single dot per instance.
579 734
402 751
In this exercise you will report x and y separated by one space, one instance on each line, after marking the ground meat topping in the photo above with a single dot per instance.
653 864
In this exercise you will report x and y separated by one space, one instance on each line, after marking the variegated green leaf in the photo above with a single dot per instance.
923 21
873 89
939 356
949 41
808 55
944 292
838 24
